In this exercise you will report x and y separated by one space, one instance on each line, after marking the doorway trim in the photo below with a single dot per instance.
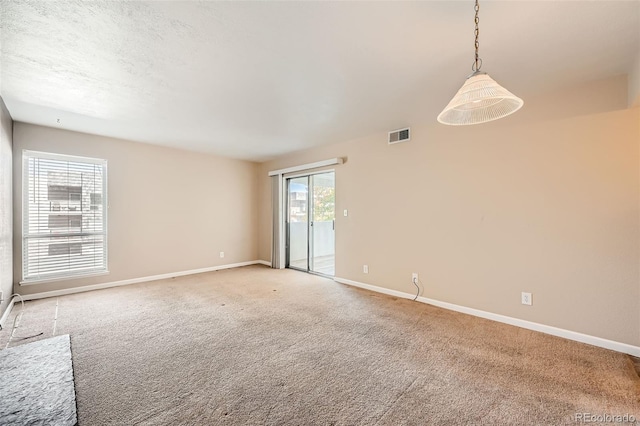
308 166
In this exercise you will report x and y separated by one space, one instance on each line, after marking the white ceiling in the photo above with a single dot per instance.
253 80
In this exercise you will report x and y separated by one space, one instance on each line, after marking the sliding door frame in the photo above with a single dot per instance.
310 213
279 204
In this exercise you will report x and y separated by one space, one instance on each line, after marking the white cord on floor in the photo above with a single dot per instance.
16 323
15 319
55 318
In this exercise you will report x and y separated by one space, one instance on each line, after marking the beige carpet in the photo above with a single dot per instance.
260 346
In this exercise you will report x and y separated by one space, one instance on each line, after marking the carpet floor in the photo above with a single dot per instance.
259 346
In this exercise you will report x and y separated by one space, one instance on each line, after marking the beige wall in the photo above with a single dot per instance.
634 83
483 213
169 210
6 230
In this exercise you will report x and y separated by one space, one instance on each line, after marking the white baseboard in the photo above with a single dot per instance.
101 286
264 262
567 334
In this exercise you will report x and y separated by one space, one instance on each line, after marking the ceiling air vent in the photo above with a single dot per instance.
398 136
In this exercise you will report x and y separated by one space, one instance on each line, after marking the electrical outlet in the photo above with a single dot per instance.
526 299
414 278
221 254
365 269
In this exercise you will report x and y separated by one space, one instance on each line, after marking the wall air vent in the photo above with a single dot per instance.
398 136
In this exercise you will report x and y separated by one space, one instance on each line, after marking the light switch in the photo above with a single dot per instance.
346 213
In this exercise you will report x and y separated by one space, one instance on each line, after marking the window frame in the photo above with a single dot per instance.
67 274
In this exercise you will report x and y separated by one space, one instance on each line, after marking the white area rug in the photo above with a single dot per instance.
37 384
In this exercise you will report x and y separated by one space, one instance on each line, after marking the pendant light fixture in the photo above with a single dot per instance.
480 99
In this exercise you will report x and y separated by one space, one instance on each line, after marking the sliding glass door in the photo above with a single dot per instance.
311 223
298 223
323 214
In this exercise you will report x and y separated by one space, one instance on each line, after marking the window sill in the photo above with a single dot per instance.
61 278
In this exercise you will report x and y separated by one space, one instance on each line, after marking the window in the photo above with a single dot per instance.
64 216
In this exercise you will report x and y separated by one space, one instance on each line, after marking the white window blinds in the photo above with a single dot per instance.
64 216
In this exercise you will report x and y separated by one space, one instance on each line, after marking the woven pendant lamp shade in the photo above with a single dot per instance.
479 100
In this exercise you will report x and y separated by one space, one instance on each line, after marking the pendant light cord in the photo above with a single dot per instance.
478 62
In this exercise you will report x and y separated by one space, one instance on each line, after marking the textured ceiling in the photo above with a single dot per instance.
253 80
